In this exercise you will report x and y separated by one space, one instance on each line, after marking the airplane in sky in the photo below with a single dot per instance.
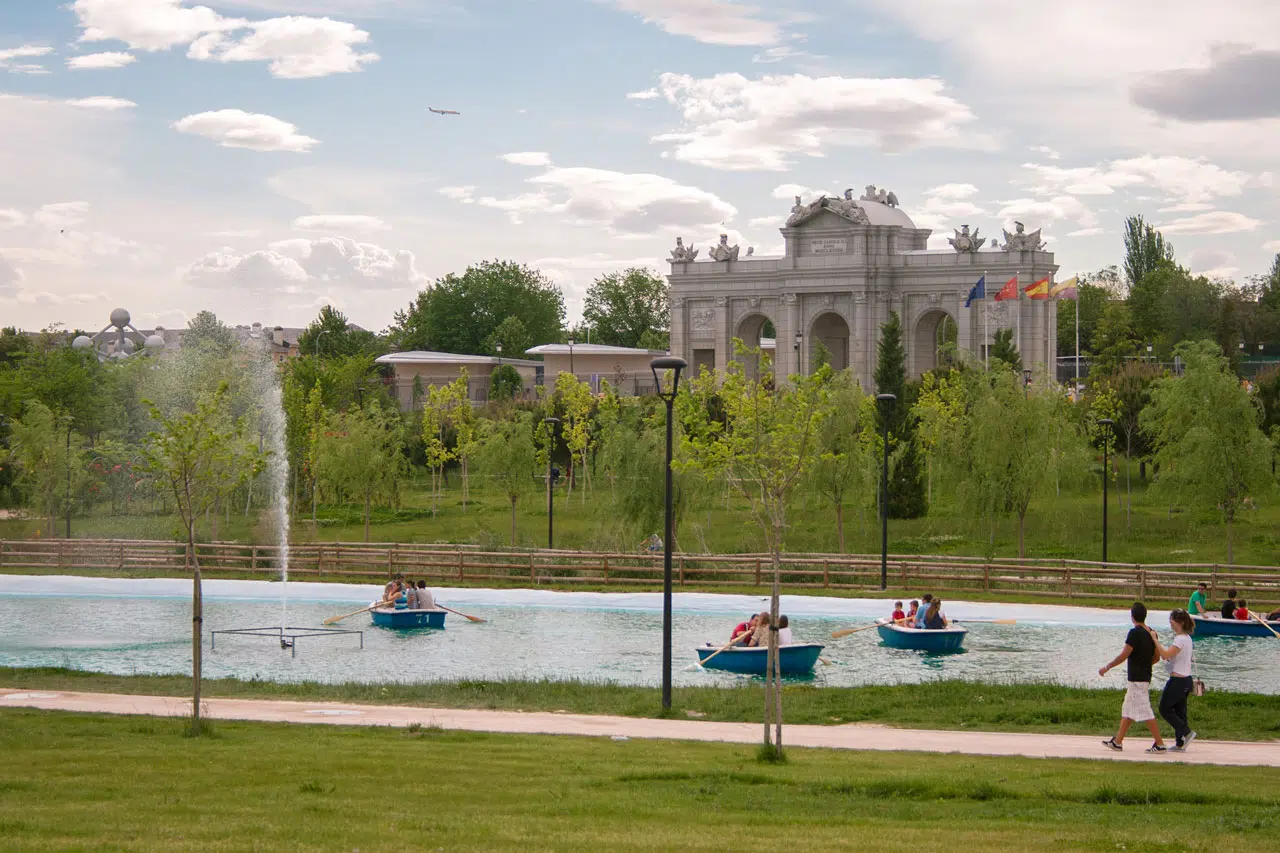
443 112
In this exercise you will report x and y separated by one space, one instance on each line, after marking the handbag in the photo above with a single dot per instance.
1197 687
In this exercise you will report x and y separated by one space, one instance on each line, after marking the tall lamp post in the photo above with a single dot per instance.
675 365
887 401
69 422
571 356
551 515
1107 423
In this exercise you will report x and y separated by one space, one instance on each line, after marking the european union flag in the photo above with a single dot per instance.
978 291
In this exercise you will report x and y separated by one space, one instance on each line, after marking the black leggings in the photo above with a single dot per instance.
1173 704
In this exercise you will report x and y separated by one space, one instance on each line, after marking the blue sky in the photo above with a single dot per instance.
264 157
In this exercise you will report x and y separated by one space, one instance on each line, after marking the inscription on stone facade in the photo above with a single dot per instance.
829 246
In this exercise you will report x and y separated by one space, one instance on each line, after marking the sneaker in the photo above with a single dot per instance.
1111 744
1181 747
1190 737
1157 748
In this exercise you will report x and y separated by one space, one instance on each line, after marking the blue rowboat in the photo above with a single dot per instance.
1208 627
921 639
386 617
797 659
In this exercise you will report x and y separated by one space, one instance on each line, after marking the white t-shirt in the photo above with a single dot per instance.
1180 664
784 636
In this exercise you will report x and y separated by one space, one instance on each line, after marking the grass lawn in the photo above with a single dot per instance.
1058 526
939 705
97 783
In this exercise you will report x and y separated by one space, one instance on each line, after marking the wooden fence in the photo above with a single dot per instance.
450 564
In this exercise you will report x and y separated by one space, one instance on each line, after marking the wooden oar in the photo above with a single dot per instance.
333 619
723 648
987 621
463 615
1265 623
835 635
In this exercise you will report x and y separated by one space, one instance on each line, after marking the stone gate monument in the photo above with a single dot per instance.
848 262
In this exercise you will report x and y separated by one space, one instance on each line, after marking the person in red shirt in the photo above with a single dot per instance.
1242 610
897 611
743 630
915 607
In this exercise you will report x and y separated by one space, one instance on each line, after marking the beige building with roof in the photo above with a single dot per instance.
426 369
847 263
625 368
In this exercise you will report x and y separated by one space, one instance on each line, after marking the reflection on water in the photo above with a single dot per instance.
151 635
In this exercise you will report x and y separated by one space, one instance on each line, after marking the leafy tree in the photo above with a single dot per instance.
512 335
621 307
1145 250
506 454
460 313
764 445
206 332
1269 287
505 383
1115 340
1091 301
845 447
906 486
1131 385
50 461
359 452
655 340
938 411
1005 351
1205 429
577 401
71 382
435 417
331 334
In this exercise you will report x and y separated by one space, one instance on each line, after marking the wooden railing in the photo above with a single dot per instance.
456 564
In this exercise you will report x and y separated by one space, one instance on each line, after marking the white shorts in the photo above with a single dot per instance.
1137 702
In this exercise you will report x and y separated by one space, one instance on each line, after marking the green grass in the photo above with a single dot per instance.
95 783
938 705
1066 526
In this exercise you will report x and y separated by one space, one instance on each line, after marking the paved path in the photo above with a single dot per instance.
850 736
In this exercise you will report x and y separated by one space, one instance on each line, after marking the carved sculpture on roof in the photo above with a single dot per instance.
846 208
966 242
879 196
682 255
723 251
1021 241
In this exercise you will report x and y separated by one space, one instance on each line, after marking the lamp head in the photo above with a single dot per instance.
664 363
888 399
1106 422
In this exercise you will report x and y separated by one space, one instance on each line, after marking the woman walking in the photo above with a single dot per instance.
1177 658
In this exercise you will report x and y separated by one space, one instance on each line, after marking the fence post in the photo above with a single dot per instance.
826 574
461 572
1142 582
1213 582
681 570
902 569
120 565
253 559
319 561
757 571
986 577
604 567
533 571
1068 568
61 556
391 561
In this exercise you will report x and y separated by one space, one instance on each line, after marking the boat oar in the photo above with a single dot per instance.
727 645
333 619
1265 623
987 621
835 635
463 615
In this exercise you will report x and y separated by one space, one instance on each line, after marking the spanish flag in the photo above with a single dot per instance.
1065 289
1039 290
1010 289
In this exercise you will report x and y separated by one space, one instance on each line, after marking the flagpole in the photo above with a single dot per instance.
986 347
1077 388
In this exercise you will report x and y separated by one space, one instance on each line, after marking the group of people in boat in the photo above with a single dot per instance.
754 632
1232 607
404 595
925 614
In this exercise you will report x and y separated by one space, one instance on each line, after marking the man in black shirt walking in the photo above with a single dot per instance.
1140 651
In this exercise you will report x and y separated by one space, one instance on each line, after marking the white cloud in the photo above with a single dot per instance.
1184 180
239 129
734 123
1085 232
306 267
62 214
324 188
1048 152
708 21
10 218
237 233
296 48
528 158
10 276
1216 222
788 192
26 51
646 95
464 194
623 203
109 59
766 222
1213 263
1035 211
101 102
1271 246
340 222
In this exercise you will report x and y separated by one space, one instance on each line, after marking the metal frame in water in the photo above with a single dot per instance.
288 636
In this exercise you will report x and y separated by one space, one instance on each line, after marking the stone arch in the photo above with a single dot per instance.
831 330
753 330
935 329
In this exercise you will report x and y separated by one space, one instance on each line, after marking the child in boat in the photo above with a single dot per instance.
742 632
1229 606
784 631
897 611
760 637
393 587
426 601
1242 610
915 608
411 596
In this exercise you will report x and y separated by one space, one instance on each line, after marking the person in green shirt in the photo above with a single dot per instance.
1195 604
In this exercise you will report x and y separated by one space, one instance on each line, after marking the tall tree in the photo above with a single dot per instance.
1130 385
621 307
360 452
1005 351
205 331
1205 429
461 312
506 454
50 461
1091 301
846 459
332 334
938 410
512 336
906 483
1145 250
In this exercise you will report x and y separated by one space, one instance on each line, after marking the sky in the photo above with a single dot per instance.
263 158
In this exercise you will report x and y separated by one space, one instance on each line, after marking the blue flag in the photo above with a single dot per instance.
978 291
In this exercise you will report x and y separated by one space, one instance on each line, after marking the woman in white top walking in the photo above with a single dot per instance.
1177 658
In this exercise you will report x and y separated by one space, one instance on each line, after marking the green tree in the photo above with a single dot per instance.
512 336
577 401
436 409
360 453
50 461
460 313
1130 385
938 411
846 441
906 482
1091 301
621 307
1145 250
332 334
1205 430
764 445
1115 340
505 383
206 332
506 454
1005 351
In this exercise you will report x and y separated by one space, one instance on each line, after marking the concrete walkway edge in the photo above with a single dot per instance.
848 736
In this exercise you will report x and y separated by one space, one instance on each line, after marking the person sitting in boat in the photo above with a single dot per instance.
934 618
784 631
911 614
393 587
1242 610
411 596
922 612
426 601
760 637
741 635
898 612
1197 604
1274 615
1229 606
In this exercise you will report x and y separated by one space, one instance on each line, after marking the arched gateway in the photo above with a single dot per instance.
847 263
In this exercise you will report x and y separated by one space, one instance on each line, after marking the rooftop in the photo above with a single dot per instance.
427 357
591 349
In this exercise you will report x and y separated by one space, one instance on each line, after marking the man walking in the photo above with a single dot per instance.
1140 651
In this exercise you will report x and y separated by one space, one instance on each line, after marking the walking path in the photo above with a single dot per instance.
849 736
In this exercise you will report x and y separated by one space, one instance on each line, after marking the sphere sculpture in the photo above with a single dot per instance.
119 339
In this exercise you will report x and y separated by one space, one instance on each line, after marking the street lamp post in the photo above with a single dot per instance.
68 478
887 400
571 356
499 349
1106 445
320 334
551 515
1149 356
675 365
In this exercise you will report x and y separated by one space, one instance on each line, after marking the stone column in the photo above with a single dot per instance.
964 322
680 337
791 308
723 333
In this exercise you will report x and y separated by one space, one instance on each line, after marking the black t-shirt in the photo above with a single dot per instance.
1229 609
1144 649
